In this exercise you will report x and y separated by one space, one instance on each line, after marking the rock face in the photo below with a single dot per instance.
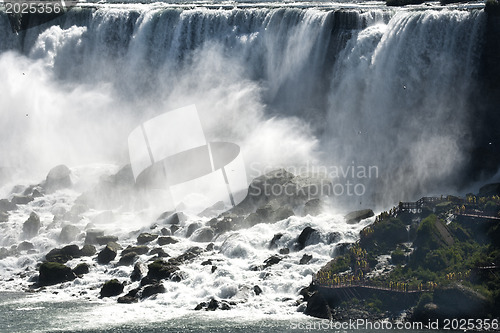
489 190
160 269
54 273
58 177
31 226
305 259
108 253
356 216
111 288
313 207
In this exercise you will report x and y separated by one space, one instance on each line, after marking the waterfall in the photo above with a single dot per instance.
335 87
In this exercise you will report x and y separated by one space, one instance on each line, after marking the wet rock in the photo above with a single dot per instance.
308 236
25 246
127 259
273 260
68 233
91 236
64 254
153 289
31 226
58 177
489 190
165 232
206 262
190 254
318 307
284 250
127 299
111 288
4 253
138 272
192 228
159 252
356 216
210 247
146 238
166 240
88 250
51 273
213 210
103 240
173 229
273 243
257 290
305 259
160 269
203 235
81 269
108 253
306 293
333 237
271 212
213 269
22 199
200 306
178 276
140 249
341 249
212 305
170 218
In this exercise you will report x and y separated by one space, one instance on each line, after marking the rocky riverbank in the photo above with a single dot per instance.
436 258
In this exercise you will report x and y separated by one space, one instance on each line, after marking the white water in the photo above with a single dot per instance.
291 86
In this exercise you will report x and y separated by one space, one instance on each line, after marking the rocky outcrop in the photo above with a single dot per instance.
308 236
81 269
153 289
356 216
166 240
64 254
51 273
108 253
111 288
58 177
145 238
318 307
203 235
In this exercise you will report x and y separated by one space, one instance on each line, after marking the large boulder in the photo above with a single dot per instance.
160 269
53 273
127 259
64 254
108 253
81 269
58 177
204 234
153 289
88 250
146 238
140 249
285 188
313 207
31 226
4 216
111 288
166 240
6 205
356 216
308 236
91 236
318 307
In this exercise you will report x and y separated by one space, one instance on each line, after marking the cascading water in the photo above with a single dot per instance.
328 87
